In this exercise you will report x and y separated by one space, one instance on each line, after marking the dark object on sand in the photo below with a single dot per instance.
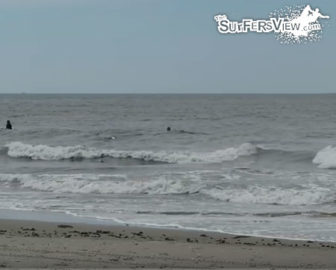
64 226
168 129
8 125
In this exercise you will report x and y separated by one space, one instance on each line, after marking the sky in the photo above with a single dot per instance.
156 46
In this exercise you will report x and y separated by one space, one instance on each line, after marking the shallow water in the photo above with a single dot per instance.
248 164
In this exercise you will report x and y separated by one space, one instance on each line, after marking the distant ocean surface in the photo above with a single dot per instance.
245 164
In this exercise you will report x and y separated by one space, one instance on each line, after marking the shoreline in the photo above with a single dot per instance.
61 217
41 244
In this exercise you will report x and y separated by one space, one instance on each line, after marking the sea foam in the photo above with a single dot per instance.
101 184
326 158
45 152
165 184
272 195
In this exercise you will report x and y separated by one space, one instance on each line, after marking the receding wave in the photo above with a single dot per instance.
45 152
222 213
326 158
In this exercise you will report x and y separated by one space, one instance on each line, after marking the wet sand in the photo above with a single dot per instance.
32 244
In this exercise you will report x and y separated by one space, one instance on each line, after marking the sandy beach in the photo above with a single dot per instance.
32 244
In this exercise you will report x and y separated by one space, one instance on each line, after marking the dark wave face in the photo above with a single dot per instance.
248 164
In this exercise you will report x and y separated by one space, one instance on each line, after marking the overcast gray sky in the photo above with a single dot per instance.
156 46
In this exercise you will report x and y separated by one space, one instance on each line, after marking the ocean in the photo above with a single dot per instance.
245 164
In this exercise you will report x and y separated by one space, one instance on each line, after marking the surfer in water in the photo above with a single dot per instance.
8 125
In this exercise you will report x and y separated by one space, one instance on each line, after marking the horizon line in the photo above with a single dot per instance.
165 93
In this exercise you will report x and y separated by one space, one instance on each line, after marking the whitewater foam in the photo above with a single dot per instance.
185 183
45 152
272 195
102 183
326 158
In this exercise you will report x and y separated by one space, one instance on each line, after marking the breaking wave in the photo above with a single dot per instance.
183 184
326 158
45 152
101 184
273 195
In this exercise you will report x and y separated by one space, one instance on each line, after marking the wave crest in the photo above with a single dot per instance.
272 195
100 184
326 158
45 152
167 184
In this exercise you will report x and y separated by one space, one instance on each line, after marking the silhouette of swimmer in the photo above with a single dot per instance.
168 129
8 125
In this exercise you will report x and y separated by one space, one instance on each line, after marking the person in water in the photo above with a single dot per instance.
8 125
168 129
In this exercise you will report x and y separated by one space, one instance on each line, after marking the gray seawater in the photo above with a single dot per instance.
247 164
